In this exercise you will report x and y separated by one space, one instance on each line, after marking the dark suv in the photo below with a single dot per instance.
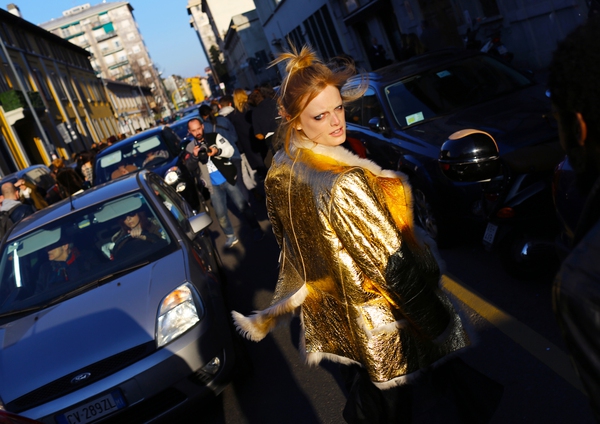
411 108
158 149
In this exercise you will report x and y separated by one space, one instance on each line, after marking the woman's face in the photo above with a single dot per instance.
323 119
132 221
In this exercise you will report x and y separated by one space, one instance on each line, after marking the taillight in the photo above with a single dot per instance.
506 213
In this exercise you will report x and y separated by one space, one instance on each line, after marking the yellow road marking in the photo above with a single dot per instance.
548 353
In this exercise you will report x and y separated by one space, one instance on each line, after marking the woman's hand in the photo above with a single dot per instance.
137 233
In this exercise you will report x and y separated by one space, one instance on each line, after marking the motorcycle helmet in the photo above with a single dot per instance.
470 156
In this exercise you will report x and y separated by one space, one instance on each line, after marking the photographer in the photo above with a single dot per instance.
213 153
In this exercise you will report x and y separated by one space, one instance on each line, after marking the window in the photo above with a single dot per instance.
136 49
41 83
147 74
21 75
131 36
321 33
141 62
3 84
42 46
57 83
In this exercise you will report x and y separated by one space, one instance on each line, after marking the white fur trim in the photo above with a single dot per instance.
256 326
314 358
345 156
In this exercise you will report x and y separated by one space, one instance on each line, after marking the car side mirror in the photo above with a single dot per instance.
376 124
200 222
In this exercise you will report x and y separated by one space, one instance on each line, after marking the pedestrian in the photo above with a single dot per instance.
575 93
363 278
377 55
31 194
12 209
69 181
220 124
241 118
265 118
85 162
213 153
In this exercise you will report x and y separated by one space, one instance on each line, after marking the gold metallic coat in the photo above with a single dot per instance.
366 284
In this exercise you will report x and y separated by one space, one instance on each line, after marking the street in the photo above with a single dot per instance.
517 343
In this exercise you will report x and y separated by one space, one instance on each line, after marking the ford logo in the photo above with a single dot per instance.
81 377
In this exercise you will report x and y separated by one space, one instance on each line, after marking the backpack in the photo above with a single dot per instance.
5 221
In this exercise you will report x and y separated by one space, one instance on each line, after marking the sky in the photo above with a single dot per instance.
173 45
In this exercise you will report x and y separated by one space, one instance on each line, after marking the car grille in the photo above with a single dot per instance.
98 370
148 409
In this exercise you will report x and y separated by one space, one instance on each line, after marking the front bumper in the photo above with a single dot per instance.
159 384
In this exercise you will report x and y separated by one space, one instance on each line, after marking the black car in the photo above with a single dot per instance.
158 149
411 108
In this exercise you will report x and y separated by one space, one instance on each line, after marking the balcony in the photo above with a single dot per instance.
118 64
106 52
15 99
122 77
106 36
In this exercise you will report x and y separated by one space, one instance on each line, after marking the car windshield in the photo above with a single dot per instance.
443 90
148 152
78 252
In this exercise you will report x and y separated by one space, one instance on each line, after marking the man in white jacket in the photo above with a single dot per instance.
213 154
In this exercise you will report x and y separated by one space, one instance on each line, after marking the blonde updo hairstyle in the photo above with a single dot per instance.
307 76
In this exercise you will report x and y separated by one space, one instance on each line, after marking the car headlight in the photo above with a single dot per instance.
179 311
172 175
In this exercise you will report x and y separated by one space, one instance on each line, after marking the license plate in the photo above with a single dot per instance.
490 233
93 410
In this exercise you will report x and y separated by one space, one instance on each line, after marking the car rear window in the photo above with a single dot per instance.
130 157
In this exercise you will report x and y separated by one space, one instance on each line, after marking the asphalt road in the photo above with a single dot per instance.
516 342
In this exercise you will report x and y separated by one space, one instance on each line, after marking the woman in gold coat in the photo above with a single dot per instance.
362 277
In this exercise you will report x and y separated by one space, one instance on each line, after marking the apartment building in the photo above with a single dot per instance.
210 19
52 103
109 32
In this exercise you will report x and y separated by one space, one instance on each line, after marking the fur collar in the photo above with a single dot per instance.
344 156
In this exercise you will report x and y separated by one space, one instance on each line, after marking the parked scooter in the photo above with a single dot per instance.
495 47
516 204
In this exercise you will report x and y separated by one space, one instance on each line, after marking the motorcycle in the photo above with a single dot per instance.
516 205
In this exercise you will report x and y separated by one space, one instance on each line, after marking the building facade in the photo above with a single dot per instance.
129 104
52 103
248 53
108 31
530 30
210 20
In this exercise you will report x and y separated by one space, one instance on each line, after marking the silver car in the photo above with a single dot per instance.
111 306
